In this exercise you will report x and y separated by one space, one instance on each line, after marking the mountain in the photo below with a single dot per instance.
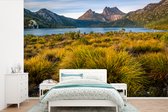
29 17
151 15
47 19
55 19
161 24
112 14
108 15
92 15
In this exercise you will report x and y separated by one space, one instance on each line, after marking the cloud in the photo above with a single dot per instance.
60 5
72 8
73 15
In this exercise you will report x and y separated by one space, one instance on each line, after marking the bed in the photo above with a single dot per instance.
83 88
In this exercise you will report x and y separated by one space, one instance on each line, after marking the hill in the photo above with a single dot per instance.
154 15
46 19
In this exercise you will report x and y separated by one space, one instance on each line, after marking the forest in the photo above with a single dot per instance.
138 59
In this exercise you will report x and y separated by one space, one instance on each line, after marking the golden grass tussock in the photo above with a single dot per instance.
156 65
121 66
138 59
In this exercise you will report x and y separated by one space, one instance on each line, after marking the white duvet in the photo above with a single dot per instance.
83 93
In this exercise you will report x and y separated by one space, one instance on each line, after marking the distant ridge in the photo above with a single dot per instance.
45 18
154 15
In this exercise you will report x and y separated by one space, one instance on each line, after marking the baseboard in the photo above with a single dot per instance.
3 107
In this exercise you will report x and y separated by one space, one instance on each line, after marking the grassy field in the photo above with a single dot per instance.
138 59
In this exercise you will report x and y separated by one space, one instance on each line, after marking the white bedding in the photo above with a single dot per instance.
82 81
84 93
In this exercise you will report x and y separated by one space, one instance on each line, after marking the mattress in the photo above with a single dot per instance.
83 89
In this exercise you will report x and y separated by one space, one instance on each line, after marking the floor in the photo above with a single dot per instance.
143 105
150 105
24 107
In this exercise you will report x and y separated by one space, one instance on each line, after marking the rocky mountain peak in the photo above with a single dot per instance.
109 14
91 15
90 11
26 11
43 10
49 15
112 11
112 8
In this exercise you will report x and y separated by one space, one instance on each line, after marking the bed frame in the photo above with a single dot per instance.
99 74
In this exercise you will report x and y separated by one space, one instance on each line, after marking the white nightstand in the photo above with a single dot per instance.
122 88
45 86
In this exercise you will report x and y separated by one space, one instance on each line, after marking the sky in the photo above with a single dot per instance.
75 8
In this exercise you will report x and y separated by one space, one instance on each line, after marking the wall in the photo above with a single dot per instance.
11 40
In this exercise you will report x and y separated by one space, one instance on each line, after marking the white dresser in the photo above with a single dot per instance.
16 88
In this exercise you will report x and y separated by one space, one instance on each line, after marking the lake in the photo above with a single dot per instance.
49 31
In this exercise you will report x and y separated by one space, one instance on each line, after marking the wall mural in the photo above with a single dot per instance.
131 44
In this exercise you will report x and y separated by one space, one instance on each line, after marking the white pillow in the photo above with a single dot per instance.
70 76
95 77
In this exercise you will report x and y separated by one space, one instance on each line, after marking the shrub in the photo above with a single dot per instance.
121 66
103 44
165 37
53 55
58 37
140 46
73 35
125 55
84 41
43 66
156 67
38 69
